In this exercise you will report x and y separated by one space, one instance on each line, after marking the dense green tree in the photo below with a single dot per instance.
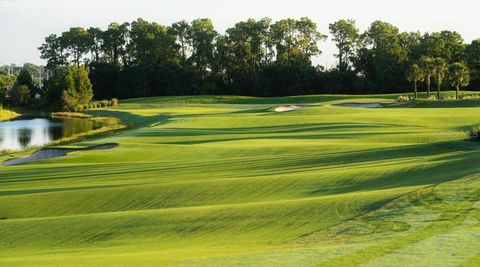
54 86
427 64
411 41
6 84
95 43
3 96
446 44
77 43
104 77
415 74
114 42
201 36
151 43
387 55
440 70
79 89
254 57
458 75
472 58
296 40
180 30
25 78
454 45
244 48
20 94
7 81
346 36
309 37
53 51
247 40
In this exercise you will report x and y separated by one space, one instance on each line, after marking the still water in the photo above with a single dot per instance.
27 132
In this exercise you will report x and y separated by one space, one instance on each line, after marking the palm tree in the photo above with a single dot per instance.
440 69
428 70
415 74
459 75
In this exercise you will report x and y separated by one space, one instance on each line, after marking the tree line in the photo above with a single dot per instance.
257 58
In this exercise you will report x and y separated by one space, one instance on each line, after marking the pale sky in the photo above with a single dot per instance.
25 23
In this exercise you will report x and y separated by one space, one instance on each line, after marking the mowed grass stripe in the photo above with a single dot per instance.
224 180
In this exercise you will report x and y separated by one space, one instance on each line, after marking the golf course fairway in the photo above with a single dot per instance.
227 181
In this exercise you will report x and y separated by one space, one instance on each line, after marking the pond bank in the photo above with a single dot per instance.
7 114
104 125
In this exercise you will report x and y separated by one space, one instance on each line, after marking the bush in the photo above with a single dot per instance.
470 96
404 98
95 104
79 108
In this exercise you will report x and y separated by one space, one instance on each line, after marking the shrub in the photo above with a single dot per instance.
94 104
404 98
114 101
79 108
470 96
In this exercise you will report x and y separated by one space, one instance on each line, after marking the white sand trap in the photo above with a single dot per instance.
50 153
398 104
370 105
285 108
360 105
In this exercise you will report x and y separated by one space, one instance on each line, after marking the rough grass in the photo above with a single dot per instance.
7 114
224 181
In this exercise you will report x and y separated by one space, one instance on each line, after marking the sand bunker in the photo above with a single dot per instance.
50 153
369 105
360 105
287 108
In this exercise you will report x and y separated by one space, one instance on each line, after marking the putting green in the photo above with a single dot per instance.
226 181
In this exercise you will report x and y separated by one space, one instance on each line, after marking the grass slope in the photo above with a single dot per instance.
6 114
225 181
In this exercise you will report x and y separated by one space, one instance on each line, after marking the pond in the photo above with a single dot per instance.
21 133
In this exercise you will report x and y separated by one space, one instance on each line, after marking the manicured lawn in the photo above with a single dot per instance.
224 181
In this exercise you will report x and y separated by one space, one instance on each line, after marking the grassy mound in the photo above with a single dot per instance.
225 181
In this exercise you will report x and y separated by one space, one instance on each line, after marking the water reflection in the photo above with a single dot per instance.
19 134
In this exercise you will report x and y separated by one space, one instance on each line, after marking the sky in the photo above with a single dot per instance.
25 23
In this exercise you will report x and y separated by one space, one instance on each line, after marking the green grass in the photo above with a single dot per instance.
6 114
224 181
